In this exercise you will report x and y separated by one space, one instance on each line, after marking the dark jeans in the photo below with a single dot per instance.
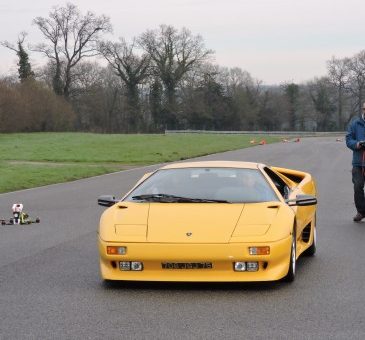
358 180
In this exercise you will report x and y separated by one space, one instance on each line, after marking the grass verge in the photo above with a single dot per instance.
35 159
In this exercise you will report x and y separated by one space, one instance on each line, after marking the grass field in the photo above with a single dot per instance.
35 159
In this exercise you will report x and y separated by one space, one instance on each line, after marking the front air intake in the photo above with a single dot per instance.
306 233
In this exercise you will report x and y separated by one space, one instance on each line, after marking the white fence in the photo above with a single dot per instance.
281 133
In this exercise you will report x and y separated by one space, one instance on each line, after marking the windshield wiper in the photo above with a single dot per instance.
154 197
165 198
205 200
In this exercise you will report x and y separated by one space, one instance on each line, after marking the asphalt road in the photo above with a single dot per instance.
50 286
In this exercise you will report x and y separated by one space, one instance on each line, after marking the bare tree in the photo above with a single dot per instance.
338 73
291 91
173 54
131 70
237 79
356 84
25 69
319 94
245 92
97 98
71 37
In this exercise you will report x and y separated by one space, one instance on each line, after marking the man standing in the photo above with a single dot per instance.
355 140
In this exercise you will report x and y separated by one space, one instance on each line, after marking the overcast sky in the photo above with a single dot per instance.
275 40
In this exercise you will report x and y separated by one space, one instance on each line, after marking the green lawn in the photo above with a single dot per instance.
34 159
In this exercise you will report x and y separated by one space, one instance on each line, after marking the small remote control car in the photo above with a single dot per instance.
19 216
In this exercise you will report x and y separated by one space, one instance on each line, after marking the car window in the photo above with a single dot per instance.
228 184
278 182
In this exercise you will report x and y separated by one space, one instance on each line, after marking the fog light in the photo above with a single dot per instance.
252 266
124 265
137 266
112 250
239 266
259 250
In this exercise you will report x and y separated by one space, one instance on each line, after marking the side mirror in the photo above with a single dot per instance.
107 200
302 201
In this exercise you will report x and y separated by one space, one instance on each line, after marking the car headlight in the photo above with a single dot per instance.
246 266
252 266
124 265
128 265
138 266
240 266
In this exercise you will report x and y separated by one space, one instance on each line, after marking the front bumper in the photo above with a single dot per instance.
222 256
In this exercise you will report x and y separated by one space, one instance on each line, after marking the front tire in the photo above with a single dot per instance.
293 260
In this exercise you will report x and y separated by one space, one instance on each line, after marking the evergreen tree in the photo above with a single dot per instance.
25 69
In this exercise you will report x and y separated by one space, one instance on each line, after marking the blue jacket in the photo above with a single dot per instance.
356 133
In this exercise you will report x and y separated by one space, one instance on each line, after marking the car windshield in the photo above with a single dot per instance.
221 185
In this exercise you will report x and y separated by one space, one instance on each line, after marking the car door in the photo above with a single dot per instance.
290 184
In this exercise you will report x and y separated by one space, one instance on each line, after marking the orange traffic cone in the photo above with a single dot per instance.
263 142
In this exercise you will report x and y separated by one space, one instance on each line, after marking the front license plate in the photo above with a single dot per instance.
183 265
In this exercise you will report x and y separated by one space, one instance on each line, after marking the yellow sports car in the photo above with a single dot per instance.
209 221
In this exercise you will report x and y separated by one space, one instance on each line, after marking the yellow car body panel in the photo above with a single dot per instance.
217 233
221 255
169 223
304 215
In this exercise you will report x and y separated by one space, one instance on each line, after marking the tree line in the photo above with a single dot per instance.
163 79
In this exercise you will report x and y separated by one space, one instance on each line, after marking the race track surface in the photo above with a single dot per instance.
50 286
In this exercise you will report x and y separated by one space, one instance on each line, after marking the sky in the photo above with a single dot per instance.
276 41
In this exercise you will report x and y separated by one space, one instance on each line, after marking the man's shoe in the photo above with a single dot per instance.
358 217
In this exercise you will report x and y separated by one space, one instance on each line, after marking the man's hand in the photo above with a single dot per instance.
360 144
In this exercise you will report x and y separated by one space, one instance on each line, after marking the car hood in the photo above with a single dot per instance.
188 222
192 222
